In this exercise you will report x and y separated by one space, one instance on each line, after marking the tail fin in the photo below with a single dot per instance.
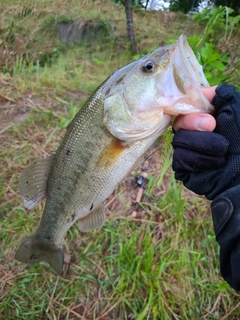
33 251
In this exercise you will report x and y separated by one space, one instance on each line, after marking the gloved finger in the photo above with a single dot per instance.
212 182
192 161
227 95
227 105
198 183
209 143
197 151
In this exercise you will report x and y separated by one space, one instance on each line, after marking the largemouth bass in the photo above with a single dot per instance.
105 141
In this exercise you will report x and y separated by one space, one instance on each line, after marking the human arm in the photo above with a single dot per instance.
209 163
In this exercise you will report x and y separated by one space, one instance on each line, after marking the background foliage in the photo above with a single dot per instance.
183 5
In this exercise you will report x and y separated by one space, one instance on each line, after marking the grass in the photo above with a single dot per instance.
162 264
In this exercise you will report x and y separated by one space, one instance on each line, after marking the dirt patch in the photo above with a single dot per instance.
84 30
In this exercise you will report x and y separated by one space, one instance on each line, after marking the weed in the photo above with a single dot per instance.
218 67
214 63
64 122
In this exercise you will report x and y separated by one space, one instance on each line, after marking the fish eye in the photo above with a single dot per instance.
148 67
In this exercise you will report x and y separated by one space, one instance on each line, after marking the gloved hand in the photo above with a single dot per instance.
209 162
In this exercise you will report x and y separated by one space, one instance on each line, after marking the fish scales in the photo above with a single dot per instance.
85 146
105 141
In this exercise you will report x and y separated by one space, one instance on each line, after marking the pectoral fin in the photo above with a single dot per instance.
95 219
33 180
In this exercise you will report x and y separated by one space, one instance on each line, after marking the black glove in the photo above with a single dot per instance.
209 163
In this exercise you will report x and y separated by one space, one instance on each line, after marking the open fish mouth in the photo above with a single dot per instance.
147 92
191 62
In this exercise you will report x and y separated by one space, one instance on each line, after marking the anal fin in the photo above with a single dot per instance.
33 181
95 219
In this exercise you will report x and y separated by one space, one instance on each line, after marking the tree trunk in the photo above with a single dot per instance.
129 20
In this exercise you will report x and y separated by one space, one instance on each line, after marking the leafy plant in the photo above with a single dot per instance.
214 63
220 19
217 66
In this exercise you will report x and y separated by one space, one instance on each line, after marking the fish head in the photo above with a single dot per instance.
142 97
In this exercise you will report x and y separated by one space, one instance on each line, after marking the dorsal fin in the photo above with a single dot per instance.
33 181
